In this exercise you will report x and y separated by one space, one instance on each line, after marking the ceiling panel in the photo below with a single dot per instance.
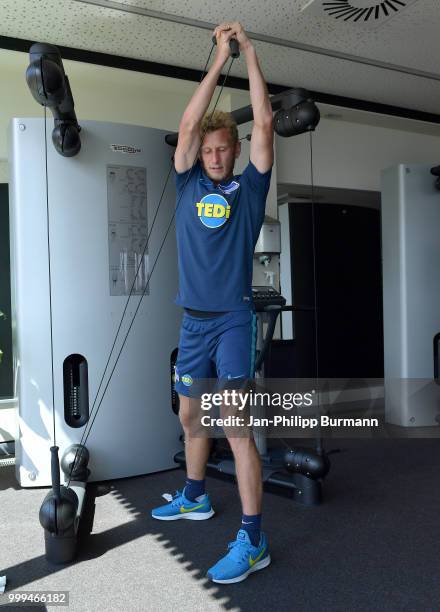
409 39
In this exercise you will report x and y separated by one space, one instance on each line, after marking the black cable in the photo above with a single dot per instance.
89 424
314 254
319 445
50 279
319 442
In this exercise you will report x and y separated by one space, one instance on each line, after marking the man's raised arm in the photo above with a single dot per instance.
189 128
261 153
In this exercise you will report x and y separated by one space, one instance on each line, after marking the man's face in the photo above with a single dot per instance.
218 154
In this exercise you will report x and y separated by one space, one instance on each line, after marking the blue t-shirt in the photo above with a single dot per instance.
217 227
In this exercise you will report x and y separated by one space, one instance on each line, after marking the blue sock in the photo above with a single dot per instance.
194 488
252 524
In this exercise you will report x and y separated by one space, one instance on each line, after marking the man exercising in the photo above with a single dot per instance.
218 220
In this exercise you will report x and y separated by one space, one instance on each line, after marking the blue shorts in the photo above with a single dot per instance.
220 347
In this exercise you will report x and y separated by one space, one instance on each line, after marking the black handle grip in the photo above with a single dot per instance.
235 48
233 45
55 472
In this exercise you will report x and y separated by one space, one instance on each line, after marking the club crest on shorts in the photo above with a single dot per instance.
213 210
187 380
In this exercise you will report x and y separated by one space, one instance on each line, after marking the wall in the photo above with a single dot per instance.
4 174
350 156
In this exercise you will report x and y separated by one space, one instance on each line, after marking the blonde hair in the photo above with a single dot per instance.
218 120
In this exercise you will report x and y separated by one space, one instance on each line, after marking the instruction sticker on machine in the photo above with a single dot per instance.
127 229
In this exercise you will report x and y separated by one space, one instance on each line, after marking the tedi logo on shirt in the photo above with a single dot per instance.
213 210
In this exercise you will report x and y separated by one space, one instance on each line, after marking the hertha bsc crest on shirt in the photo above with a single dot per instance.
213 210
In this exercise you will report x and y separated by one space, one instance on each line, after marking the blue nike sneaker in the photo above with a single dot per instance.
179 507
241 560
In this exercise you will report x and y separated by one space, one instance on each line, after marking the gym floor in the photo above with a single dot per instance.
371 545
